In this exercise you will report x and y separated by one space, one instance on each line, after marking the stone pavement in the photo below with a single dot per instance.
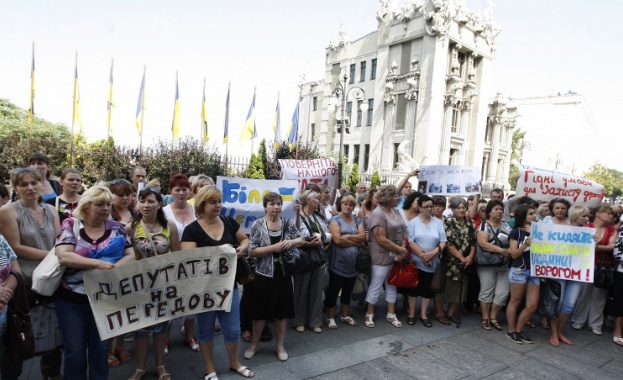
410 352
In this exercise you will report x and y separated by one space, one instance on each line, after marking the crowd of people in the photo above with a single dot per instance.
300 266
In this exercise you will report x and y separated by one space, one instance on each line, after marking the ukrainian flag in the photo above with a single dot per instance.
77 119
175 128
248 129
204 116
294 127
226 129
277 126
31 110
109 103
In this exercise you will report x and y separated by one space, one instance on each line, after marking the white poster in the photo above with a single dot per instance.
321 171
243 198
449 180
545 185
161 288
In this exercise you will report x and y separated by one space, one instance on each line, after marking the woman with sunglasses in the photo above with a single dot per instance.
151 234
67 201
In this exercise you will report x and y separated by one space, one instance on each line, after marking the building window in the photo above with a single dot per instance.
395 154
314 103
313 130
401 112
362 76
373 71
462 71
453 156
349 111
456 120
352 74
359 113
370 108
366 156
345 156
356 158
488 132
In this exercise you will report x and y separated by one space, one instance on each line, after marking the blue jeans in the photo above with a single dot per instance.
81 339
569 293
522 276
230 322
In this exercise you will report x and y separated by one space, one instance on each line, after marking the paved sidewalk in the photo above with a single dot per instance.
410 352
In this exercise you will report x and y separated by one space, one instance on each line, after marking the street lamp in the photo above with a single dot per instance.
341 93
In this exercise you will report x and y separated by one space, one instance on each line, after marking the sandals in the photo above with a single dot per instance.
486 324
442 319
545 325
618 341
369 320
411 321
453 319
243 371
192 343
348 320
113 362
162 373
331 324
122 355
426 322
531 324
391 318
496 324
137 375
247 336
210 376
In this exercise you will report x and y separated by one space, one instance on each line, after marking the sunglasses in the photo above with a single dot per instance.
151 189
117 181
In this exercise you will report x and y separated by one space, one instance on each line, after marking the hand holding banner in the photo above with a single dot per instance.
320 171
449 180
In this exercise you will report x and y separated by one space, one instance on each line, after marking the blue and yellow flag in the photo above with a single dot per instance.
226 129
175 128
204 116
277 126
294 127
248 129
109 103
140 107
76 119
31 109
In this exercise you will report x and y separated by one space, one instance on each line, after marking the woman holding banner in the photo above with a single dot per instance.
151 234
211 230
273 296
97 234
579 215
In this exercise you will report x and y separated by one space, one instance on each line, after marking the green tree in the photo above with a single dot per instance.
353 178
300 151
254 170
376 179
611 179
263 154
517 145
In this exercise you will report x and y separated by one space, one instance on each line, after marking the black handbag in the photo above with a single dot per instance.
550 296
364 260
604 274
244 274
18 335
438 284
311 258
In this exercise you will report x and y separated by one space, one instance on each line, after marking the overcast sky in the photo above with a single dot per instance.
545 47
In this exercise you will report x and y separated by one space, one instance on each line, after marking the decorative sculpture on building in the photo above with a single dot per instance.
342 39
405 163
437 16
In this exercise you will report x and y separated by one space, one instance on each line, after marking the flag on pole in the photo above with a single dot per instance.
277 126
248 129
294 127
31 109
204 116
175 128
109 103
226 129
140 107
77 119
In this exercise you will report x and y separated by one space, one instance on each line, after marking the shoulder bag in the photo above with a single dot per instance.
19 340
364 260
312 258
604 274
244 274
47 276
486 258
438 284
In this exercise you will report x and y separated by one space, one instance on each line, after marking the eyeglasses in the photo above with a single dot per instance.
150 189
117 181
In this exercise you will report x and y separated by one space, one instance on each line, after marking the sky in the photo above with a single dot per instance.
545 47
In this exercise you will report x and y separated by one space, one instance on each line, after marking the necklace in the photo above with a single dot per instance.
152 227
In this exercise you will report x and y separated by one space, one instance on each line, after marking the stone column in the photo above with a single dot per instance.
495 151
387 153
444 152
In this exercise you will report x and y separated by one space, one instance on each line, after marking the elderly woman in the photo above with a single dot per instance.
84 350
459 257
273 296
427 240
29 226
522 283
492 237
41 163
591 303
570 290
348 235
67 201
387 245
151 234
211 230
182 214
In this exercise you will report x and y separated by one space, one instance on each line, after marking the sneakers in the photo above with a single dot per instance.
523 337
576 326
596 331
514 337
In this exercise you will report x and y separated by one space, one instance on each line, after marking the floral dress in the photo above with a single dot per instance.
463 237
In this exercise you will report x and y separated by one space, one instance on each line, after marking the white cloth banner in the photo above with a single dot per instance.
545 185
449 180
243 198
161 288
561 251
320 171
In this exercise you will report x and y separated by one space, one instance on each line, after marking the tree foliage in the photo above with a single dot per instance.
300 151
254 170
375 182
516 147
611 179
263 155
353 178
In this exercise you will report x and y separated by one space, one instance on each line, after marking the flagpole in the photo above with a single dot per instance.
109 117
174 114
254 131
203 132
73 115
31 111
227 127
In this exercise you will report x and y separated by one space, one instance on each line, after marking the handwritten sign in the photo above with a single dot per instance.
561 251
161 288
545 185
320 171
243 198
449 180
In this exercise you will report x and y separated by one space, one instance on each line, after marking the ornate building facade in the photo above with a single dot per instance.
421 75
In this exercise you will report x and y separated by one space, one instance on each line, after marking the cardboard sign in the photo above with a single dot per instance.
161 288
545 185
321 171
243 198
449 180
564 252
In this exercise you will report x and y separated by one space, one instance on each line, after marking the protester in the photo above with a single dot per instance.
151 234
198 182
326 201
5 196
67 201
84 350
8 283
439 206
368 206
51 187
405 187
497 195
211 230
617 302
